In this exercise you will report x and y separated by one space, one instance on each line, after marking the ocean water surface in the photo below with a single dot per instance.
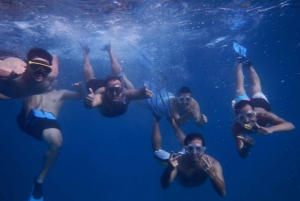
186 43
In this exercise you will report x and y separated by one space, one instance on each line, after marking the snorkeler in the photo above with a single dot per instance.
253 114
19 79
185 107
38 118
191 167
111 96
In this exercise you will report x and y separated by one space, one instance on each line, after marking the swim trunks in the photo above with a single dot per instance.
36 122
95 84
258 100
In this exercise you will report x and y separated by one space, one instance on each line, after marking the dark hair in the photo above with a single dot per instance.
193 136
184 90
39 52
242 104
113 77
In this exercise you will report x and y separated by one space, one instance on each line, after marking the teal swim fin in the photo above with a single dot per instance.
242 51
160 101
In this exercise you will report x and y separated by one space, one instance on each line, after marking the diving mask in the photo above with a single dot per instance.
37 65
244 119
184 99
112 90
194 149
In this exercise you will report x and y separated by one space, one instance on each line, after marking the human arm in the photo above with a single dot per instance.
279 124
213 170
243 143
134 94
92 100
72 95
170 172
12 68
178 132
54 73
200 119
175 115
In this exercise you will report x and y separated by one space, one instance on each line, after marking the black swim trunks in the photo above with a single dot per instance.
95 84
262 103
36 122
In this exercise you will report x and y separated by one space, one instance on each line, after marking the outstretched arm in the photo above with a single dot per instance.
279 124
170 172
134 94
71 95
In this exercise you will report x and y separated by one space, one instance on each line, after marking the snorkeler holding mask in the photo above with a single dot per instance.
184 107
253 114
19 79
111 96
191 166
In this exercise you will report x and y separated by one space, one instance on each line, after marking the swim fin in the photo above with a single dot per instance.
83 45
242 51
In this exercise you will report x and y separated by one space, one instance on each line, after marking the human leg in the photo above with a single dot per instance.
156 136
53 138
255 81
88 72
239 83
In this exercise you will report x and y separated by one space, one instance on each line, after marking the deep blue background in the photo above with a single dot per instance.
111 159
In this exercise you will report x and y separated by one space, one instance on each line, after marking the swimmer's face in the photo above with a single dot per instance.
114 90
195 155
247 115
184 99
39 75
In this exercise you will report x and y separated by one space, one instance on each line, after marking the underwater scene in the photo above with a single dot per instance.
159 47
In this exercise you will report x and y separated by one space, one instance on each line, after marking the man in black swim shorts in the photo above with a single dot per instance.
111 96
253 114
38 119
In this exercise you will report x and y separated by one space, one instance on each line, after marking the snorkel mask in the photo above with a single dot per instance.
244 119
184 99
194 149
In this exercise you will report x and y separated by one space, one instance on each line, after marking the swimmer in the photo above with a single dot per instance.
38 118
191 167
253 114
19 79
111 96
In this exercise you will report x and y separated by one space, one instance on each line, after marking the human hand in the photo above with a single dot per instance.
263 130
78 85
18 71
203 119
89 99
173 162
248 141
207 167
146 92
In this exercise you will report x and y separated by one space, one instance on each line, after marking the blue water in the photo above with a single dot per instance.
191 43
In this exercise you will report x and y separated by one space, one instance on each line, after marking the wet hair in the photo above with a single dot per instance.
184 90
242 104
113 77
193 136
39 53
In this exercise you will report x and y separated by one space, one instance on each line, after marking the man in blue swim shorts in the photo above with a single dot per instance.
253 114
191 166
38 119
